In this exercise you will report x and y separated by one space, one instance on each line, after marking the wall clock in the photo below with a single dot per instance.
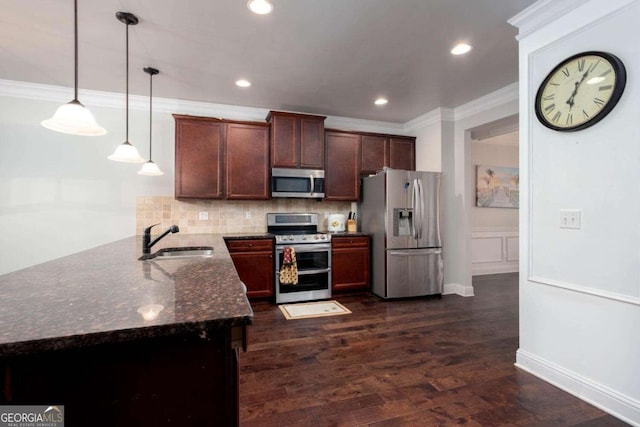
580 91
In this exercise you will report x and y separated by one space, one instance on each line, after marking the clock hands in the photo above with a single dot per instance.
575 90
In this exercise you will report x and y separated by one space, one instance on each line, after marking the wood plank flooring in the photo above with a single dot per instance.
420 362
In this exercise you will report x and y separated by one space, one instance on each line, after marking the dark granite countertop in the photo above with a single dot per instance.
248 236
349 234
97 296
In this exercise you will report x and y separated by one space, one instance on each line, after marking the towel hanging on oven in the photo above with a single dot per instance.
289 268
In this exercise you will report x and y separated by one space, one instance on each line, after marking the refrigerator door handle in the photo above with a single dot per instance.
421 202
415 197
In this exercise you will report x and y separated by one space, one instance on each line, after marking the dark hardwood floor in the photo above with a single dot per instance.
419 362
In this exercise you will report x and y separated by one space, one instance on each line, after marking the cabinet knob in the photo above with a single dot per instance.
250 245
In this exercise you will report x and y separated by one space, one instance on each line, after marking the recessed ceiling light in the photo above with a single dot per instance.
261 7
243 83
460 49
380 101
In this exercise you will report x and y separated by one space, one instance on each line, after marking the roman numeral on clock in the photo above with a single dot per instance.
569 120
599 102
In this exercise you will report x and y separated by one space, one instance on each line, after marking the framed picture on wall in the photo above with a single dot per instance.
497 187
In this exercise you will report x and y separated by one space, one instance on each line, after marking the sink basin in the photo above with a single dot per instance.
178 253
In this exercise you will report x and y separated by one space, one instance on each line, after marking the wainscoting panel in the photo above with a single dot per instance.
494 250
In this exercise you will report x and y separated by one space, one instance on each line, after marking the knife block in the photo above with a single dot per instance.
351 225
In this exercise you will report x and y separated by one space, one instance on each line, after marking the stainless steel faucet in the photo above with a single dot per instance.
146 238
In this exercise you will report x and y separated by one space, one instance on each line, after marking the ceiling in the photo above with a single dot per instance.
331 57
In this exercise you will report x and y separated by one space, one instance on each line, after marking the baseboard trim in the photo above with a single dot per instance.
458 289
610 401
480 270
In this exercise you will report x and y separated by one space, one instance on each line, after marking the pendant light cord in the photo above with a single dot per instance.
75 30
150 111
127 87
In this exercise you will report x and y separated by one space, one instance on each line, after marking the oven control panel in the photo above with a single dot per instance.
302 238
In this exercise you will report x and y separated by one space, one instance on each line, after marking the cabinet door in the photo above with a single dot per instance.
311 143
402 153
284 141
247 167
254 263
256 272
342 179
199 158
350 263
375 153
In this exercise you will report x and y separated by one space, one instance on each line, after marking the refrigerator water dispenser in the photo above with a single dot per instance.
402 221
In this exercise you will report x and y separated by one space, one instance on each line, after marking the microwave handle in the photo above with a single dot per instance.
313 189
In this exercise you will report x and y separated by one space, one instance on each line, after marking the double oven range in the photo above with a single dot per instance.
299 231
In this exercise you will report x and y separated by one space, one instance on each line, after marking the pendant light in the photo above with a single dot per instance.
73 117
150 168
126 152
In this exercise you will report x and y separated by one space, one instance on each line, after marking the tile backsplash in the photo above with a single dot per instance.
225 216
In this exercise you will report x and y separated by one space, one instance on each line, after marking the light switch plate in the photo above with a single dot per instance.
203 216
570 218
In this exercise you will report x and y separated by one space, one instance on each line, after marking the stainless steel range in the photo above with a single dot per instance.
303 257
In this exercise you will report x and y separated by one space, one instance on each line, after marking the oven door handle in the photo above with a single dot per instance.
306 248
317 271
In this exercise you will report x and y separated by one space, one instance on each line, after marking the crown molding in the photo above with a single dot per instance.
362 125
494 99
92 98
432 117
541 14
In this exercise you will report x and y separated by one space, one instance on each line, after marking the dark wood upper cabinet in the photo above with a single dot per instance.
218 159
374 153
342 171
396 152
247 161
297 140
402 153
199 158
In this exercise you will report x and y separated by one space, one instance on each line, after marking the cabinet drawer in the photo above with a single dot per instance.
349 242
250 245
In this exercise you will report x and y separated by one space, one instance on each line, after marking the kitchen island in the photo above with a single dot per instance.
119 341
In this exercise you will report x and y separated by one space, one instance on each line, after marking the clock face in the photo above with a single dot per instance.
580 91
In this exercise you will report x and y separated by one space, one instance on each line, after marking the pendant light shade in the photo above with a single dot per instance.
126 152
73 117
150 168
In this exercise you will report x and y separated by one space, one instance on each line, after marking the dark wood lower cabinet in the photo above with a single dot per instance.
186 380
350 263
254 262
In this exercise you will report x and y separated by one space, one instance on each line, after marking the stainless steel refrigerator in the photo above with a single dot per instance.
400 210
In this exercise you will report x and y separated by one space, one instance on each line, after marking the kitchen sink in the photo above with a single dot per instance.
179 253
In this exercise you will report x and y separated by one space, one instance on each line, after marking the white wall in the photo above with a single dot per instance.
457 164
496 151
428 132
580 289
60 195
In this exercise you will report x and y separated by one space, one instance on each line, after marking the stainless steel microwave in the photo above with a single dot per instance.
299 183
